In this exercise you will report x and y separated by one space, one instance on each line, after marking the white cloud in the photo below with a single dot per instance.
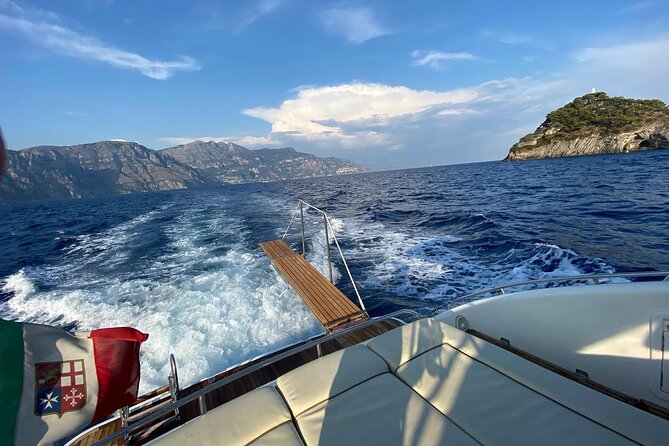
320 112
246 141
434 58
261 8
357 25
62 40
643 55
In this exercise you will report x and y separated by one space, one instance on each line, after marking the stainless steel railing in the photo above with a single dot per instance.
595 278
301 204
126 431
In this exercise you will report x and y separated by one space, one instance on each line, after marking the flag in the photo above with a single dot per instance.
53 383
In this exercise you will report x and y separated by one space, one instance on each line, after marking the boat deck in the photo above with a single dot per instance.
329 305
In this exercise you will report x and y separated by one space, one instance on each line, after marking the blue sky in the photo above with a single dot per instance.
390 84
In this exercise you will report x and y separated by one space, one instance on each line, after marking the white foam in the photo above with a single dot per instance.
19 284
423 265
212 311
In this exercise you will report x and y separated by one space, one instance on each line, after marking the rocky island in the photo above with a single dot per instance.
595 124
120 167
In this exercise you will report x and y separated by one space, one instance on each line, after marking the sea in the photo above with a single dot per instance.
185 267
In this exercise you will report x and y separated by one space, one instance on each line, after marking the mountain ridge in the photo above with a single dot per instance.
120 167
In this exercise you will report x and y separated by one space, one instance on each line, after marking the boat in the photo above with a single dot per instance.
579 359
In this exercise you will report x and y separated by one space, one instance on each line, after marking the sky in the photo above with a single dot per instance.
388 84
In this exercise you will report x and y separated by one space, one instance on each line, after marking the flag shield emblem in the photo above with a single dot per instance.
59 387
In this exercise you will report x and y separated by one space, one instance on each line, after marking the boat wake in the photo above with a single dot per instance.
202 294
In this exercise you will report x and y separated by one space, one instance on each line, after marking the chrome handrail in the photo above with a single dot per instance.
326 221
200 394
596 280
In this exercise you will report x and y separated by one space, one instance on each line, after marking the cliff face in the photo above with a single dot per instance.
231 163
596 124
107 167
118 167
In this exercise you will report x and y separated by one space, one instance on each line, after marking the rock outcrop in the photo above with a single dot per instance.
595 124
119 167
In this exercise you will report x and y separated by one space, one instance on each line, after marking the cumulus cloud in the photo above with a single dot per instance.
396 126
320 112
357 25
434 58
45 30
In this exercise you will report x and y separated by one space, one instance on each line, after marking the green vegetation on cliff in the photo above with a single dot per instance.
606 114
593 114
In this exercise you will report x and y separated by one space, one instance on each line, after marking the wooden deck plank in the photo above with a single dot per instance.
329 290
325 297
276 249
328 304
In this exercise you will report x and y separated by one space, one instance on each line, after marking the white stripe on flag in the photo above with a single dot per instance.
44 344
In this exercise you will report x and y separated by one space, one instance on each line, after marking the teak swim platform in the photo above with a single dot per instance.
329 305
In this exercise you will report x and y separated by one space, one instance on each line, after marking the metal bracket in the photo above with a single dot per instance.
581 374
462 323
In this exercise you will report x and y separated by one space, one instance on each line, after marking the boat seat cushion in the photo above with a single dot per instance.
282 434
408 341
259 417
486 390
380 411
328 376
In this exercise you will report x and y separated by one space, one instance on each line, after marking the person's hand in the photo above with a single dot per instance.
2 155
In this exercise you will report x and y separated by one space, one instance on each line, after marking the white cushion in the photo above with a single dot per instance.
493 408
284 434
260 415
328 376
476 383
408 341
380 411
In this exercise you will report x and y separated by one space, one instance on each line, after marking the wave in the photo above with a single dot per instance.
436 268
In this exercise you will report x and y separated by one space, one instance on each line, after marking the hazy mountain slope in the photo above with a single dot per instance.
118 167
231 163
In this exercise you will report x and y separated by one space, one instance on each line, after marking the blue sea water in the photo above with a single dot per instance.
184 266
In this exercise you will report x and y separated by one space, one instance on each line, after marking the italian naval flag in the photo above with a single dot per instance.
54 383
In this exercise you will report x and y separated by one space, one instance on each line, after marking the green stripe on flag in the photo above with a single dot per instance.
11 375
